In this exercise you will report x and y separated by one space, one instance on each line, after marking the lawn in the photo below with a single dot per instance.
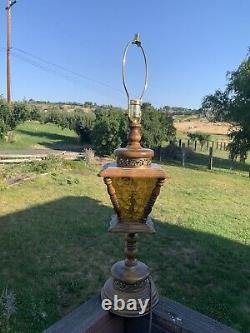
35 135
56 251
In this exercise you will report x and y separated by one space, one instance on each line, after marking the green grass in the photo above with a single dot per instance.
35 135
56 251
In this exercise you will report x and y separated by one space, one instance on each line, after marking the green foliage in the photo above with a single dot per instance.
157 126
83 124
80 122
109 131
201 137
4 118
233 105
13 115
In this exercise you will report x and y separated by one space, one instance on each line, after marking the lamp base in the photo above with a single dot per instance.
130 289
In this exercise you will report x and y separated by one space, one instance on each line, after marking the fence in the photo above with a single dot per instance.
205 145
208 154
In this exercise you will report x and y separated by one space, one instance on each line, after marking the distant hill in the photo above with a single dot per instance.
91 106
64 106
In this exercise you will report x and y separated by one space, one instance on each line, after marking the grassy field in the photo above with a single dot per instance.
56 251
35 135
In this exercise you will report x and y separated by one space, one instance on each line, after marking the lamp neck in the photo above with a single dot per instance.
131 249
134 136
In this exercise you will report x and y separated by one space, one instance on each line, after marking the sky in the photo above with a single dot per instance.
72 50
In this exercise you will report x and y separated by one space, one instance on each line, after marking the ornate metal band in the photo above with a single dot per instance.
123 286
133 163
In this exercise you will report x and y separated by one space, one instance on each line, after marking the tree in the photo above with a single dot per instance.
11 116
157 126
109 131
233 106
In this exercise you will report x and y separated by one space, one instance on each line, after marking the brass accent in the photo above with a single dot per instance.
137 39
133 163
134 111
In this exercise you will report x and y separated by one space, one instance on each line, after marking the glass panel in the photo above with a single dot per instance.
133 195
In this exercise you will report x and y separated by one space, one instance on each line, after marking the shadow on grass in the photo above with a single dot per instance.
56 255
61 142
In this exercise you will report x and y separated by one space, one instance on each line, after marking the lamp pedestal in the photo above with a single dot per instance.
130 279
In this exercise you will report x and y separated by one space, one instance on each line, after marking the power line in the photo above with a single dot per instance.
67 70
69 77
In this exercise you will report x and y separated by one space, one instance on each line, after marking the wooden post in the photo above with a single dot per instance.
221 146
188 142
224 146
210 165
207 144
160 153
195 145
180 143
183 154
217 145
8 48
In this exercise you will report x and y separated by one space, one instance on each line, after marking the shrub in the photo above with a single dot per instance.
201 137
89 156
83 125
109 130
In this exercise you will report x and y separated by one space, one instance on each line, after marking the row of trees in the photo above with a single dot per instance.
233 105
106 128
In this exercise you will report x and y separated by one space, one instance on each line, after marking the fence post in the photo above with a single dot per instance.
180 143
221 146
207 144
224 146
188 142
183 155
217 144
210 165
195 145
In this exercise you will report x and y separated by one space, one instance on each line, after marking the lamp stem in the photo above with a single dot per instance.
131 249
134 135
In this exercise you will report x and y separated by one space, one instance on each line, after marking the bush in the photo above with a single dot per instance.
201 137
83 125
13 115
109 130
89 156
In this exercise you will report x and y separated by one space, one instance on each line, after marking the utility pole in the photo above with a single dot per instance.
8 10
